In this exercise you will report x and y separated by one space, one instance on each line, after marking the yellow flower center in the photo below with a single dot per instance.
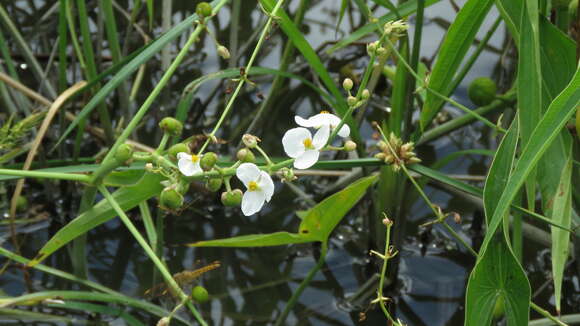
253 186
194 158
307 143
324 111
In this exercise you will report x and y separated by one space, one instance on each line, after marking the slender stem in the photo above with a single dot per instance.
303 285
143 243
46 175
266 157
243 78
546 314
459 238
163 143
383 273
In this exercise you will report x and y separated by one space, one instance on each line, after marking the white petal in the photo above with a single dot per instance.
187 167
183 155
303 122
321 137
344 131
248 172
307 159
321 119
252 202
293 141
266 185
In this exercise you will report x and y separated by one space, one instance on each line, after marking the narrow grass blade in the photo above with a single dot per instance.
453 49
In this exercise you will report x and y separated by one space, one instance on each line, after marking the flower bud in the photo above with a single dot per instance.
171 126
347 84
366 94
287 174
349 145
232 198
21 203
246 156
149 167
223 52
351 101
214 184
381 52
199 294
382 145
381 156
203 10
163 321
124 154
389 159
250 141
170 198
387 222
413 160
208 160
175 149
372 47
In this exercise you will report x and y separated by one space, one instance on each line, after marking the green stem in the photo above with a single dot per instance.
266 157
459 238
303 285
46 175
163 143
383 273
243 78
143 243
546 314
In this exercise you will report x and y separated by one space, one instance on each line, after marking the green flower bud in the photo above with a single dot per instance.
349 145
287 174
351 100
245 155
203 10
381 52
170 198
372 47
199 294
208 160
250 141
366 94
381 156
347 84
223 52
171 126
232 198
21 203
382 145
482 91
175 149
214 184
164 321
124 154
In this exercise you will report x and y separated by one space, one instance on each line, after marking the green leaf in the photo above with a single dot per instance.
561 214
317 225
123 178
102 212
342 11
497 275
150 13
453 49
555 118
500 170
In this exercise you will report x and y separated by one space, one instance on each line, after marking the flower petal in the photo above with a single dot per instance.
307 159
344 131
304 122
187 167
248 172
252 202
293 141
321 137
266 185
183 155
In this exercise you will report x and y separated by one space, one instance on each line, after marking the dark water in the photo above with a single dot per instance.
253 285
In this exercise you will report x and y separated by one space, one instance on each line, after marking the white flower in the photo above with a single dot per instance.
260 187
299 144
188 163
324 118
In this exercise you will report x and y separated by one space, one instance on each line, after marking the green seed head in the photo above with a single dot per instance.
203 10
199 294
208 160
175 149
245 155
124 154
171 126
482 91
214 185
232 198
170 198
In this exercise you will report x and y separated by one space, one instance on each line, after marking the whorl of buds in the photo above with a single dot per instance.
246 156
250 141
171 126
223 52
208 160
232 198
347 84
397 153
395 28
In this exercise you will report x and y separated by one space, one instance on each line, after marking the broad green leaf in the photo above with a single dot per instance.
459 38
124 73
297 38
405 9
124 178
127 198
497 275
562 214
500 170
551 124
317 225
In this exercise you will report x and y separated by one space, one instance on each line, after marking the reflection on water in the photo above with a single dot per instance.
253 285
